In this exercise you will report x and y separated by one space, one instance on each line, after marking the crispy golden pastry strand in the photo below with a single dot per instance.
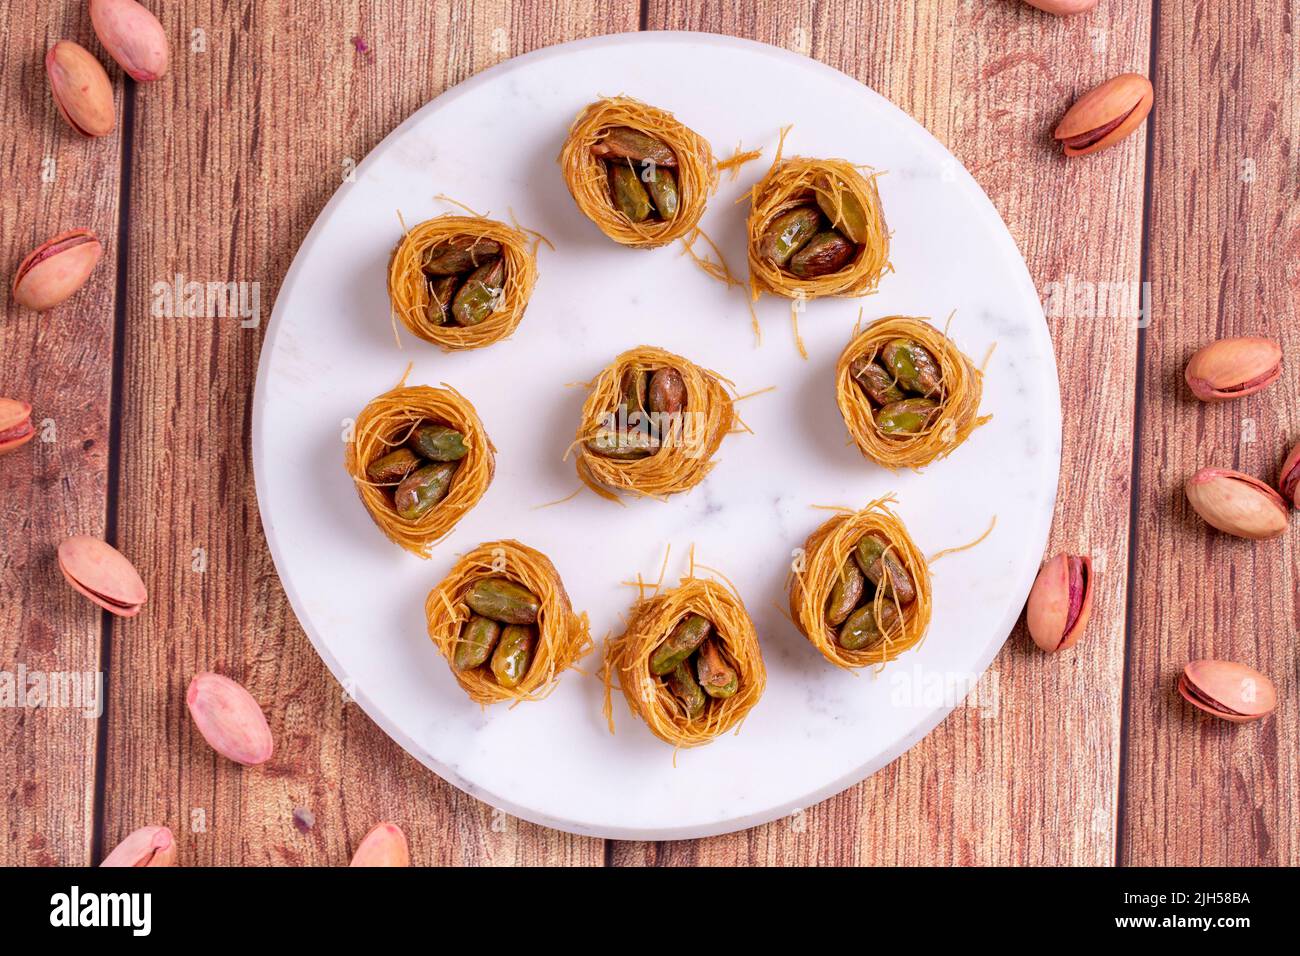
686 456
797 181
562 636
410 295
962 388
586 175
825 554
384 425
651 620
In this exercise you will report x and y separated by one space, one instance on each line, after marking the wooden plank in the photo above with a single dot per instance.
1225 260
55 485
1032 777
236 152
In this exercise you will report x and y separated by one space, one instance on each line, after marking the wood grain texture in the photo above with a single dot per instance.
231 158
1029 777
235 154
55 485
1225 260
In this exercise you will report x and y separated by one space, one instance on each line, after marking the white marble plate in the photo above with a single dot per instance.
491 142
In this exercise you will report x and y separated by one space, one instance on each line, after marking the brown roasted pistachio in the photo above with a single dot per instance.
826 253
912 366
459 254
629 193
438 443
479 296
718 679
787 233
393 467
661 184
843 210
514 654
623 142
907 417
627 445
423 488
845 594
503 600
667 392
876 382
478 637
879 385
636 385
687 690
642 183
442 290
680 644
868 626
883 569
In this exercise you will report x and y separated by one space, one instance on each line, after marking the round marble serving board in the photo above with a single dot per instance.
491 143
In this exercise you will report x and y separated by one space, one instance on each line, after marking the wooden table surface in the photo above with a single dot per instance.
216 173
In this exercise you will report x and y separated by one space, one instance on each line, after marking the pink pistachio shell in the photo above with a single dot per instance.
1233 368
56 269
99 571
132 36
384 845
147 846
15 424
1228 690
1063 8
1288 480
1105 115
1237 504
229 719
1048 611
80 89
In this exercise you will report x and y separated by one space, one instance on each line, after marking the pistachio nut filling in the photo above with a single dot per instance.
870 591
642 184
500 634
465 276
903 382
647 418
690 662
419 474
820 234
